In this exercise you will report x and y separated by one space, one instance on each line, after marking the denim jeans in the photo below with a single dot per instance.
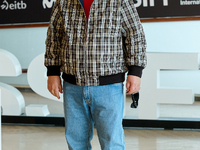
89 106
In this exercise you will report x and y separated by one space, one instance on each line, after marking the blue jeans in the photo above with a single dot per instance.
89 106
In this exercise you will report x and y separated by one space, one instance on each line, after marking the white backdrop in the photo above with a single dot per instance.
162 37
27 43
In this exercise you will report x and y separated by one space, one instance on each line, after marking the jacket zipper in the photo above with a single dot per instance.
85 44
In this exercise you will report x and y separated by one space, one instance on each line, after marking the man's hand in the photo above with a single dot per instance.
54 85
132 84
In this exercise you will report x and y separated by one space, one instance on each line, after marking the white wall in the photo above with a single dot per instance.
177 37
24 43
27 43
182 36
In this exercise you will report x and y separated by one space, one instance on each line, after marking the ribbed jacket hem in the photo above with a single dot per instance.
103 80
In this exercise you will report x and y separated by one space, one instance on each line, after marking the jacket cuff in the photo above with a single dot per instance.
135 70
53 70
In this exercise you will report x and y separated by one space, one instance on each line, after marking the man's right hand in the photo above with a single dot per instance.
54 85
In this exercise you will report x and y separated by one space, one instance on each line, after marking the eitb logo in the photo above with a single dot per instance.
13 6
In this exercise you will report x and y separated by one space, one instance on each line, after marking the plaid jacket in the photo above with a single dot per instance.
112 42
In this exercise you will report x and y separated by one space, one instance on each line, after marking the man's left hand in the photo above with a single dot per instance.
132 84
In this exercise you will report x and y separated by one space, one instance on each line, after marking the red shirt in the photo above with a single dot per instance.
87 4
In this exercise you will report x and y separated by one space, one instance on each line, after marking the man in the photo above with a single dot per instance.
94 43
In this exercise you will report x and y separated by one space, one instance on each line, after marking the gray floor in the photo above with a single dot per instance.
52 138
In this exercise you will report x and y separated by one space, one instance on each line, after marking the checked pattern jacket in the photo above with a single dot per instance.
110 42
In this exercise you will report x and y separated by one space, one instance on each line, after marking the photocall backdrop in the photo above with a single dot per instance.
38 11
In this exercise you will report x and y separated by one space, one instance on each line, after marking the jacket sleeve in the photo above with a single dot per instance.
134 42
54 41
